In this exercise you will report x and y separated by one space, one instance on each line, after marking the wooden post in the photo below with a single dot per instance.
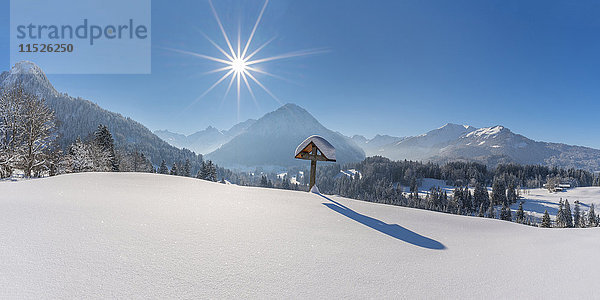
313 171
313 167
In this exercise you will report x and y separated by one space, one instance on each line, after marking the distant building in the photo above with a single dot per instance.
559 187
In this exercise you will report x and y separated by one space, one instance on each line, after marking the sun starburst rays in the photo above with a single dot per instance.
238 64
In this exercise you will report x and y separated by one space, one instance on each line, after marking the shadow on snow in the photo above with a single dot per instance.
539 206
393 230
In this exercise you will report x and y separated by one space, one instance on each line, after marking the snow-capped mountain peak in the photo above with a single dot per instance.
488 131
26 67
30 76
277 132
452 126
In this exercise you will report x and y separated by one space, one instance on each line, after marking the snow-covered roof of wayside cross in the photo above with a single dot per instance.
322 144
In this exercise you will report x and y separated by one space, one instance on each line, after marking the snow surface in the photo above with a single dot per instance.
128 235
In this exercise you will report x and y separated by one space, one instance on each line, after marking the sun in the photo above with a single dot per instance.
240 66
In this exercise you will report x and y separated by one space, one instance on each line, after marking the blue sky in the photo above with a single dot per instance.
392 67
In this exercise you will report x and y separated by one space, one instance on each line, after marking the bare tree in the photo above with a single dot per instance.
11 103
27 130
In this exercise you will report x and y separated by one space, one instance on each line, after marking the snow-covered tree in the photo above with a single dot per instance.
80 159
577 215
208 171
11 116
174 169
511 194
481 196
105 142
481 212
560 215
505 213
27 131
592 216
498 192
568 216
134 162
100 158
185 171
163 169
546 220
490 212
520 214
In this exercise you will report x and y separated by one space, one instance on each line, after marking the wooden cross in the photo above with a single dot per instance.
315 148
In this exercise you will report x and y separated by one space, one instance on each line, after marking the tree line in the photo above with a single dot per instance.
382 180
30 142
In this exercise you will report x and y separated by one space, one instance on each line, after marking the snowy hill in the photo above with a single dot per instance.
271 140
79 118
491 146
204 141
128 235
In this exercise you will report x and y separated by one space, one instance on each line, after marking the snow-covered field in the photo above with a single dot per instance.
538 200
120 235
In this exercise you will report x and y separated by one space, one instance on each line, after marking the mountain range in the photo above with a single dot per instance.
451 142
204 141
490 146
270 140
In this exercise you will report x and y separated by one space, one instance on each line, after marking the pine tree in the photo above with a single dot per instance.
546 220
490 212
511 195
104 140
498 192
592 216
468 200
211 171
414 188
208 171
457 199
505 213
520 214
163 169
481 211
568 216
186 169
174 169
560 215
481 196
202 174
577 215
